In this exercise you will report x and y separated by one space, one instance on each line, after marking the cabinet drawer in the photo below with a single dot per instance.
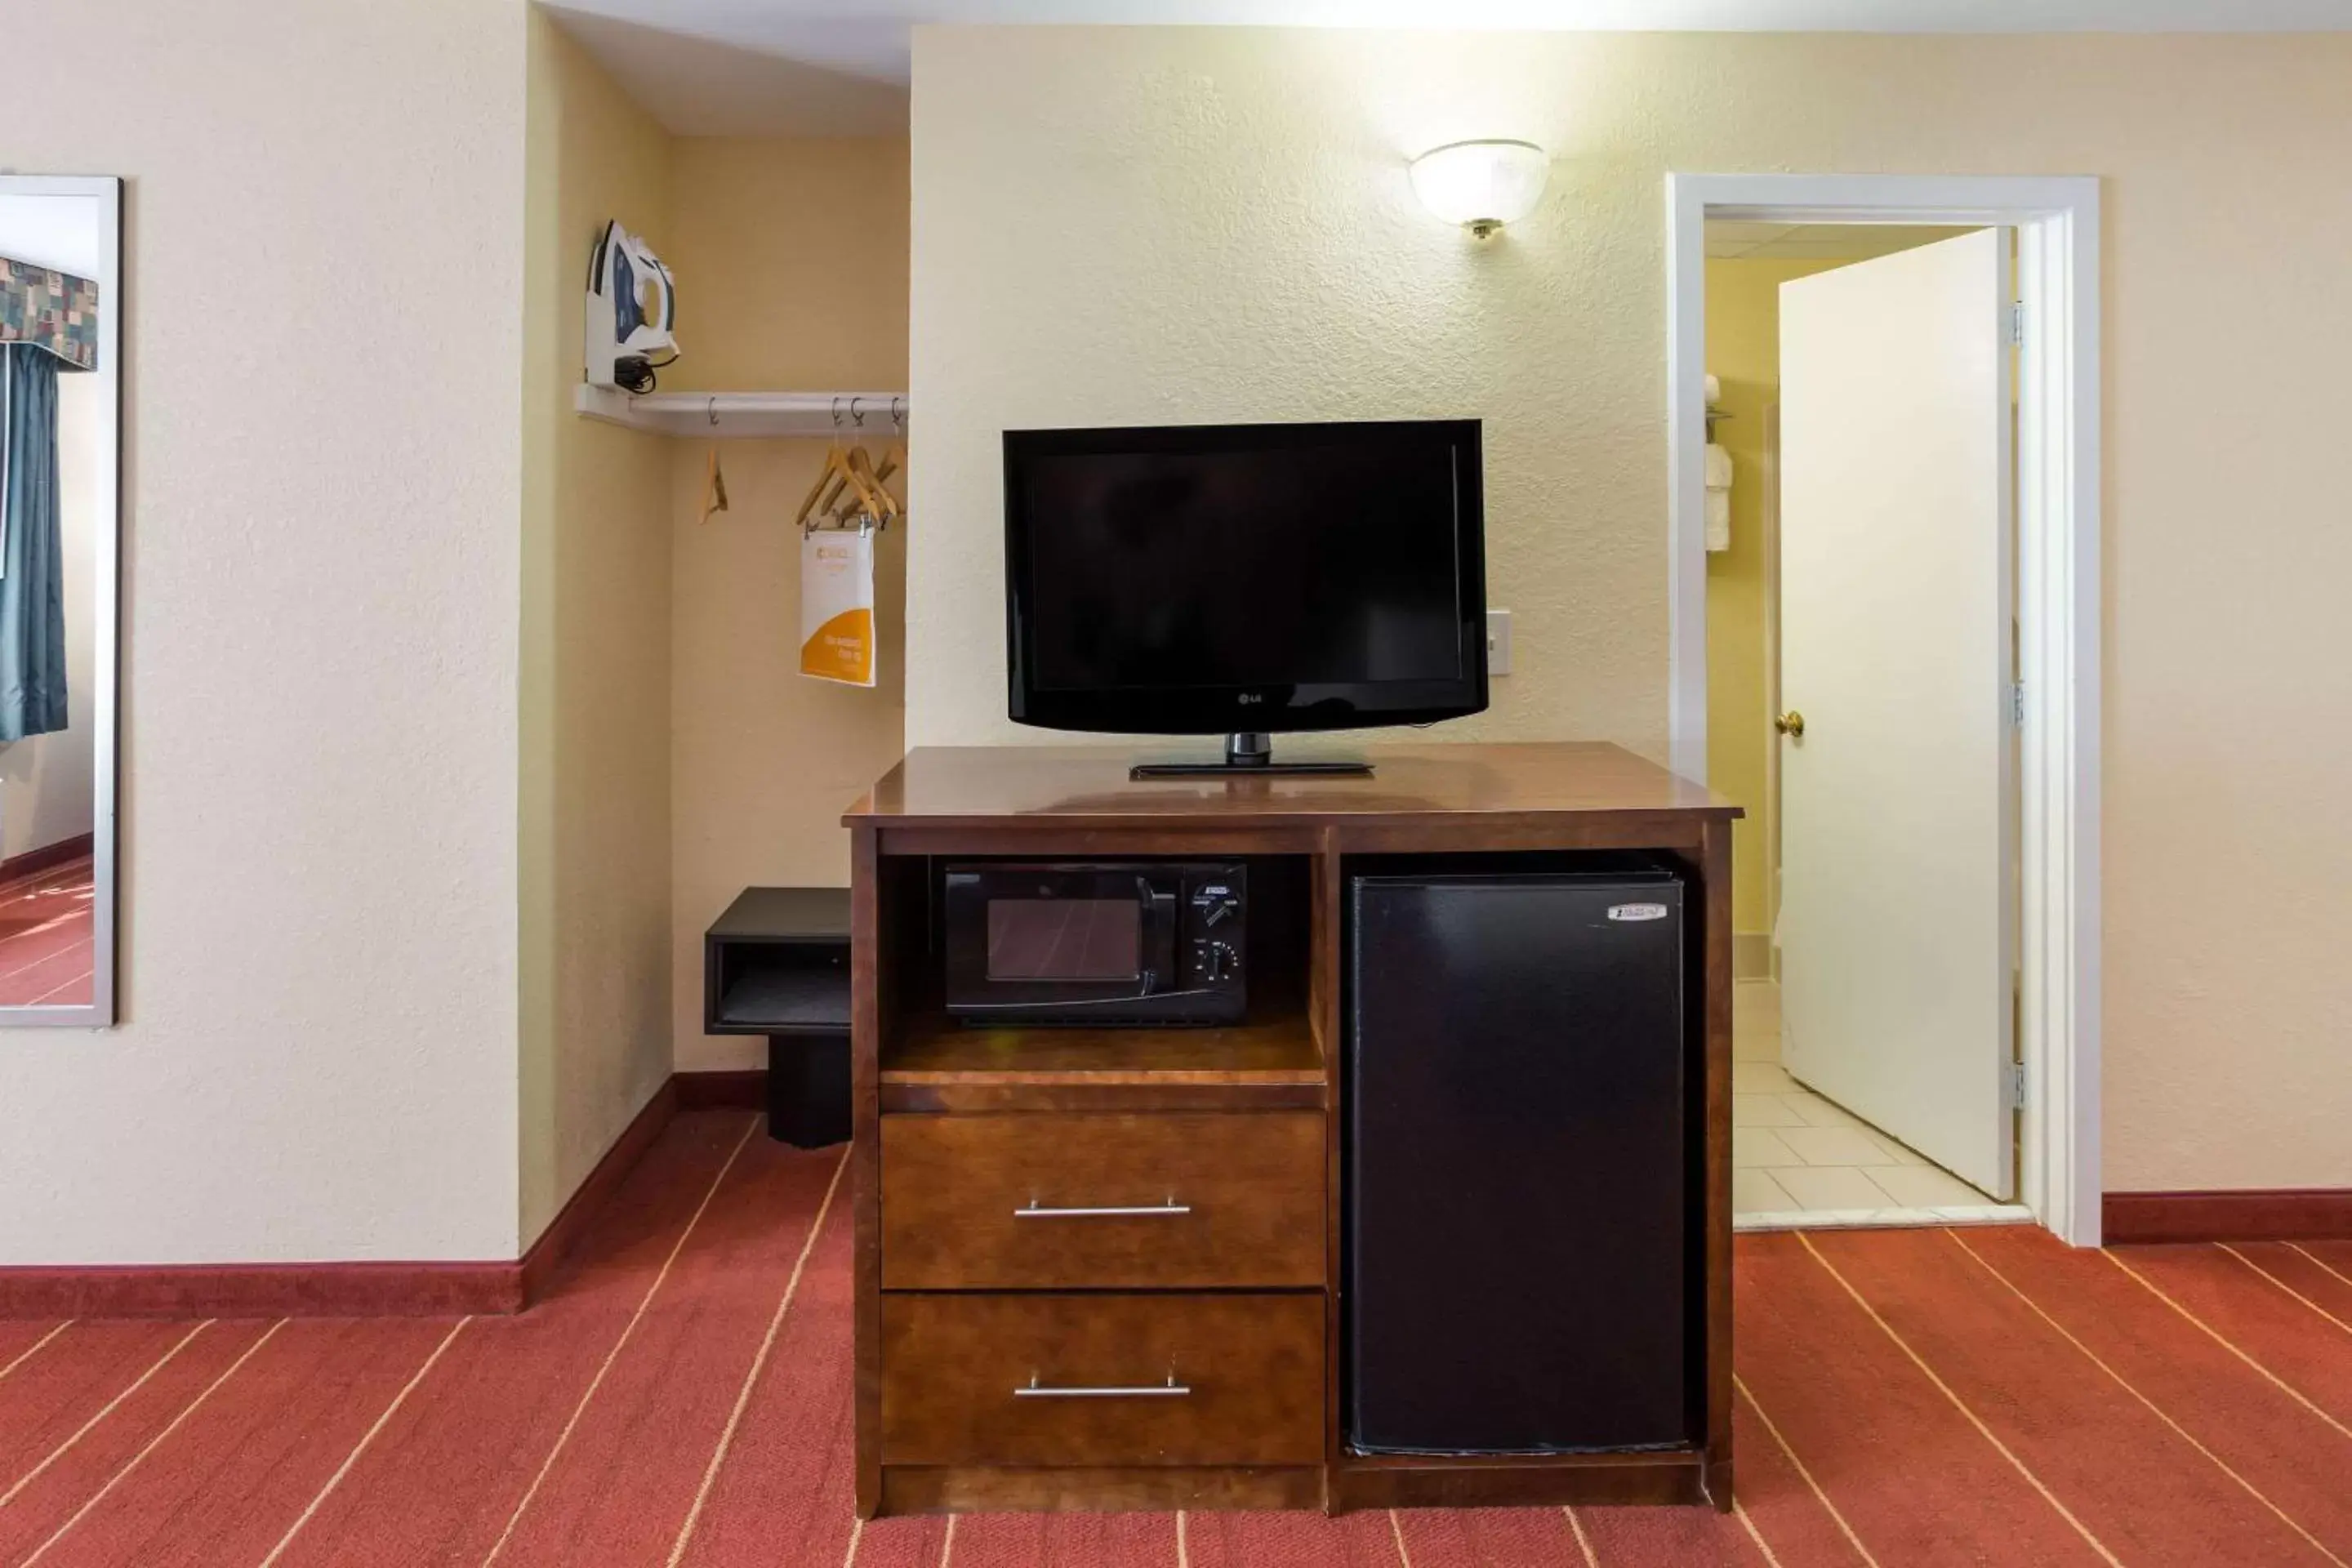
1170 1379
1015 1201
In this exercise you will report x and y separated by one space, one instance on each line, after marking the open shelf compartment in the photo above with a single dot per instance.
929 1059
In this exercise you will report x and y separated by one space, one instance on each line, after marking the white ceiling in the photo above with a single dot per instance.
798 68
1817 241
813 80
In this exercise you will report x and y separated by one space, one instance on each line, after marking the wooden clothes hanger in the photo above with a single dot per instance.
714 485
894 456
828 473
846 471
883 506
894 461
835 470
877 503
849 486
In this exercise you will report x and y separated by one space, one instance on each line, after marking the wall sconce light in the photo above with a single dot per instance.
1481 185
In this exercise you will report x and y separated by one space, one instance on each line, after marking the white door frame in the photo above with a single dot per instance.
2057 220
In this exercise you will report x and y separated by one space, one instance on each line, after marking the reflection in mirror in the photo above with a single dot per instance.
60 306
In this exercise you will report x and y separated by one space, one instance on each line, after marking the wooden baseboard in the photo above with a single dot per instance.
261 1291
491 1288
1519 1480
735 1088
544 1257
1751 955
2265 1213
1159 1488
46 856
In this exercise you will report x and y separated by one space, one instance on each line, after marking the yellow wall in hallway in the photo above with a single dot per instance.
593 822
1743 352
671 753
792 261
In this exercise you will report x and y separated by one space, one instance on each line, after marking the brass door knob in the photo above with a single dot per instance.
1791 724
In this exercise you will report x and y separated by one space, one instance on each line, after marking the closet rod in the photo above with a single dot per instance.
747 414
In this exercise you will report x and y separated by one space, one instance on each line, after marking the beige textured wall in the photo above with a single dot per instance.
318 891
1150 225
793 262
595 611
795 253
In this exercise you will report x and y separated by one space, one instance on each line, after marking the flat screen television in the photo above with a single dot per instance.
1242 579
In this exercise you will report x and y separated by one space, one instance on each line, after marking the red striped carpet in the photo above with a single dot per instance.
44 935
1963 1396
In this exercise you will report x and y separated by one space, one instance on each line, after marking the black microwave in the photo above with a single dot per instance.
1126 941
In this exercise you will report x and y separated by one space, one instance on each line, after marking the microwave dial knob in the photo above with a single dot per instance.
1216 960
1214 901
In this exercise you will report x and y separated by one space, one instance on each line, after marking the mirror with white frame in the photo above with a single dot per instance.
60 441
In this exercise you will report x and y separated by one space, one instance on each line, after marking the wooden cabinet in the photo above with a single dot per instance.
1094 1266
1123 1200
1102 1379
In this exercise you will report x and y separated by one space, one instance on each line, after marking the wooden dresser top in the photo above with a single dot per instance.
1088 786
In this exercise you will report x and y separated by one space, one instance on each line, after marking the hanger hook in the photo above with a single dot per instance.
898 418
836 413
713 413
855 417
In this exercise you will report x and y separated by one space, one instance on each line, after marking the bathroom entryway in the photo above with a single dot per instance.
1965 1025
1802 1160
1861 652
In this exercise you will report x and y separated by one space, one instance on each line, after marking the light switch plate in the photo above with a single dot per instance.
1498 642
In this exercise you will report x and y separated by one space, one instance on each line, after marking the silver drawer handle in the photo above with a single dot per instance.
1171 1389
1036 1210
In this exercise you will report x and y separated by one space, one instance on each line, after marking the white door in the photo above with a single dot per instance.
1897 831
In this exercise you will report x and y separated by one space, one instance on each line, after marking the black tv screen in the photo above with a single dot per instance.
1207 578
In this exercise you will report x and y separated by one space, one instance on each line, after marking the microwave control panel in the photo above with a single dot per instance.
1213 928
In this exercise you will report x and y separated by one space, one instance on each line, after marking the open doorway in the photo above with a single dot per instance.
2008 995
1860 563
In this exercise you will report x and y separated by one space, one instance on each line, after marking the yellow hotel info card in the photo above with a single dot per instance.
837 606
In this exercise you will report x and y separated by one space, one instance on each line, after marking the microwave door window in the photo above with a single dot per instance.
1063 939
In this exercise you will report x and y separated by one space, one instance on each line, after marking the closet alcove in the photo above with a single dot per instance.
673 754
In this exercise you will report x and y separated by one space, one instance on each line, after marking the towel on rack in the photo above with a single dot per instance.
1718 498
837 606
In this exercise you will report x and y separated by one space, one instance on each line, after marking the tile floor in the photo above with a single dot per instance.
1799 1161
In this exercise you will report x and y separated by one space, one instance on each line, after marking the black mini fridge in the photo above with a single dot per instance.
1519 1262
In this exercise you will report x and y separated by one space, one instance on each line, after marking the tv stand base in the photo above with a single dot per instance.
1250 754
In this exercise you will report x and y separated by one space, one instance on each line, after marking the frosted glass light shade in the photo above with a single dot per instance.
1481 185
